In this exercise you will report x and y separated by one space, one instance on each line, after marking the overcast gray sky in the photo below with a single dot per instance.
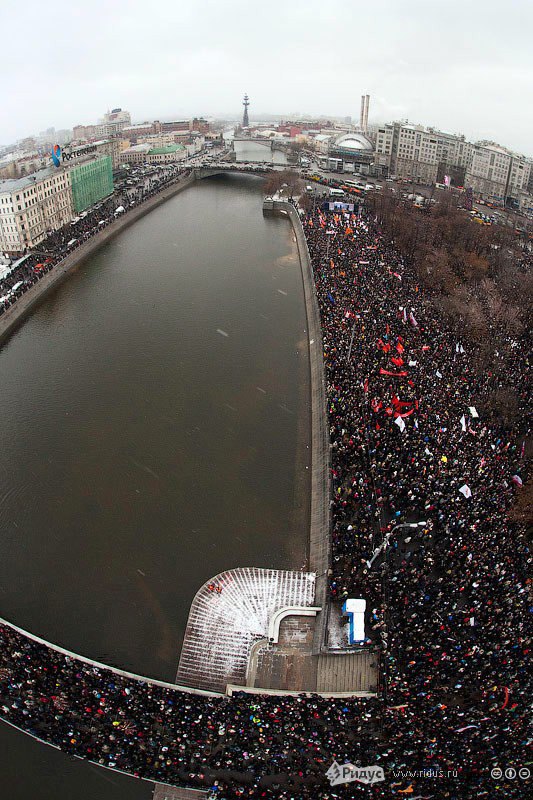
460 65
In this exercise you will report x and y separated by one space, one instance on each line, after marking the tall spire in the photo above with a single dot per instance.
246 103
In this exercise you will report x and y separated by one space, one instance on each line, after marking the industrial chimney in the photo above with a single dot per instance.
367 103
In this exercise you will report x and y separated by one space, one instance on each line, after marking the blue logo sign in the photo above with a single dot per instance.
56 155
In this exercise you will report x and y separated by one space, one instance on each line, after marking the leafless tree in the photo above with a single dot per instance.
276 180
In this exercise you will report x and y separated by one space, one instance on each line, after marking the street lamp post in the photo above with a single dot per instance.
385 543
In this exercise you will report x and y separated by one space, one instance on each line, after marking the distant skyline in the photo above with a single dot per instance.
463 67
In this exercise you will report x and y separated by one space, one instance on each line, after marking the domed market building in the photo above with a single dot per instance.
352 149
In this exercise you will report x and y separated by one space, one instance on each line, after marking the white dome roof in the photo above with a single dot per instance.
353 141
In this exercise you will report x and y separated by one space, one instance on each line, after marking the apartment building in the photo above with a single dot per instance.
419 153
33 206
497 174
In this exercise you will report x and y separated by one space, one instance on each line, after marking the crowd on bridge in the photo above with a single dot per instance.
52 251
412 442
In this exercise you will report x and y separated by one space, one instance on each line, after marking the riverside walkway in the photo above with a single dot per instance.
163 792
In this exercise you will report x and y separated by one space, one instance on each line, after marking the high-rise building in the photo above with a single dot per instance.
117 115
113 122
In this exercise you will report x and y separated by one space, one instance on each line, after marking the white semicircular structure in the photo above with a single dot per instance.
228 614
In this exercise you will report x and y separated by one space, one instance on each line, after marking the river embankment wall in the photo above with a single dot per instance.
319 532
106 667
14 315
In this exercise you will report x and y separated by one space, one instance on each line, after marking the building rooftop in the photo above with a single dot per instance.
138 125
88 158
353 141
137 148
18 184
494 148
169 148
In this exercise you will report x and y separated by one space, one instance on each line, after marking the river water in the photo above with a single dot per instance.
253 151
154 423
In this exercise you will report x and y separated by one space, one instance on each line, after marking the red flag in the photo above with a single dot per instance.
404 414
506 694
402 374
401 403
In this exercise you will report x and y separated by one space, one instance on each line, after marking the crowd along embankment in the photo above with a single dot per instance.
14 315
319 530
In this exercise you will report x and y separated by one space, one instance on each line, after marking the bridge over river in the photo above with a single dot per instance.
272 144
208 168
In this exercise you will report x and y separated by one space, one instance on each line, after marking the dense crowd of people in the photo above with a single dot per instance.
449 598
412 443
50 253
